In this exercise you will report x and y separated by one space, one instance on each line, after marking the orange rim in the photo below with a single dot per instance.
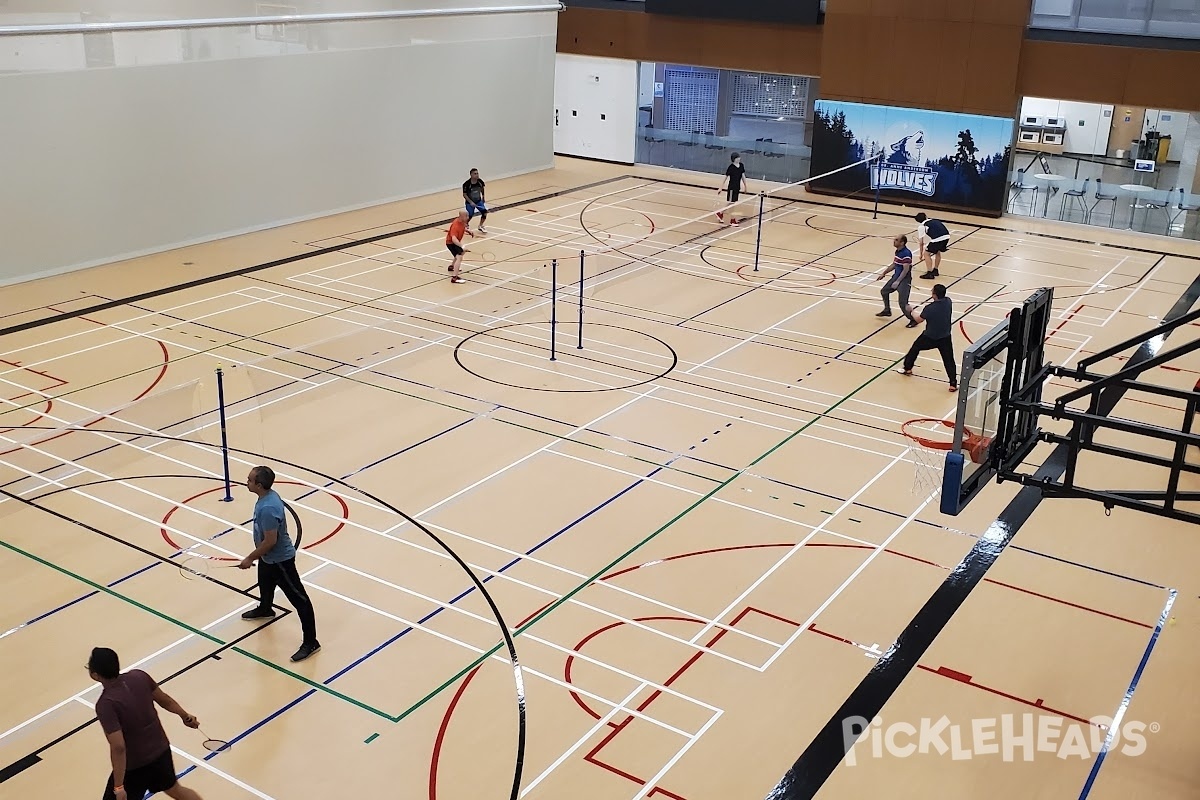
969 439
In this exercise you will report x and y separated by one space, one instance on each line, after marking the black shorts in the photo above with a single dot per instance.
157 776
454 249
731 195
937 247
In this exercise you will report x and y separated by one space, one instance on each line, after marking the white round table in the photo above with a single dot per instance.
1135 189
1050 180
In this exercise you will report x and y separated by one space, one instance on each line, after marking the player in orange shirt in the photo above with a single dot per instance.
454 243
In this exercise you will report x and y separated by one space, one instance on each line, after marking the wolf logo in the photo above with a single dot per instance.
907 151
903 169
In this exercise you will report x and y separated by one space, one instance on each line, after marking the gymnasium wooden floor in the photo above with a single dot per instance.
701 529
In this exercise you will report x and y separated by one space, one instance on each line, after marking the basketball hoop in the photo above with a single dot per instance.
929 454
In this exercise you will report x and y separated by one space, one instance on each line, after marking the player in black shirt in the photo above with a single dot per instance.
733 185
934 239
938 318
473 194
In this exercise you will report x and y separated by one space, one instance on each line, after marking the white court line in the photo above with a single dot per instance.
201 763
434 241
598 383
326 561
599 725
536 673
718 500
800 546
142 662
100 328
228 552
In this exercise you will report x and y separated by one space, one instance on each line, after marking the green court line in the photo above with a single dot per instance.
371 738
106 590
559 602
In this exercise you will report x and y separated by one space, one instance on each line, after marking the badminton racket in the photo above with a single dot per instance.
194 567
213 745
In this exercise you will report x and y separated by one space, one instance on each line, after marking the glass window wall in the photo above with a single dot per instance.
695 118
1113 166
1175 18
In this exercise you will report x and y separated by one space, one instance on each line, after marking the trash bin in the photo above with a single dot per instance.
1164 148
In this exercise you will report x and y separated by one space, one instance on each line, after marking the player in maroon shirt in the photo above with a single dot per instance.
137 743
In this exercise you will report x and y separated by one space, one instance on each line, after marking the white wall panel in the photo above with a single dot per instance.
241 133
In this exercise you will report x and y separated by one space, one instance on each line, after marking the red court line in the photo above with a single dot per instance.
592 757
615 728
440 740
788 279
962 677
889 551
56 383
167 518
162 371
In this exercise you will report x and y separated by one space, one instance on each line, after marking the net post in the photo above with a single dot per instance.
553 304
758 239
876 166
228 498
581 257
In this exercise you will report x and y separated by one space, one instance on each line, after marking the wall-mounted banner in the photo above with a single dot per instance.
929 157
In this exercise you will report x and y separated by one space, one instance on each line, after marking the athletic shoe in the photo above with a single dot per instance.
721 216
911 324
953 388
735 222
482 229
450 268
306 650
457 279
928 276
884 314
259 613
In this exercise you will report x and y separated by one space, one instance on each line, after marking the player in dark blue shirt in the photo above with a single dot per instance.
901 280
938 318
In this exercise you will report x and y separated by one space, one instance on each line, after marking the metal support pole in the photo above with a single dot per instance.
228 498
581 255
553 304
877 166
758 241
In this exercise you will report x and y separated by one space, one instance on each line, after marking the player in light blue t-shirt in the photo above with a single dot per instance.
276 557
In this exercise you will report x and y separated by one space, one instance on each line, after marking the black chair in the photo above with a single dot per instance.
1017 188
1076 196
1180 210
1153 204
1100 198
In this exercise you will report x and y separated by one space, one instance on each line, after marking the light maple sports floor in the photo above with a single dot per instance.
700 529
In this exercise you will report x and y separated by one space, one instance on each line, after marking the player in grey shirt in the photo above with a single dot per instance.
938 317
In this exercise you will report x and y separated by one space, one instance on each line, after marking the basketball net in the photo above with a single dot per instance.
929 455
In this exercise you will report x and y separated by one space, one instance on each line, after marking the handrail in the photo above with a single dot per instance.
273 19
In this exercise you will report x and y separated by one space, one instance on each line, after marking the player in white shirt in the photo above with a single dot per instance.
934 239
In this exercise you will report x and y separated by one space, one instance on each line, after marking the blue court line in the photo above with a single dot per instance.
376 650
307 494
1120 715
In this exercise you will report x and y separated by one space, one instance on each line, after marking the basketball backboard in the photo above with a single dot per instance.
988 433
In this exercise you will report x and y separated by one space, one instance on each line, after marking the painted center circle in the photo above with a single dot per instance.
342 505
612 358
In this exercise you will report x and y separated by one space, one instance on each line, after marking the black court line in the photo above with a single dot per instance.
807 199
35 757
178 287
828 748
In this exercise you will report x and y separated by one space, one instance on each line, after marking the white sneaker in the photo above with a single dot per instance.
482 229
